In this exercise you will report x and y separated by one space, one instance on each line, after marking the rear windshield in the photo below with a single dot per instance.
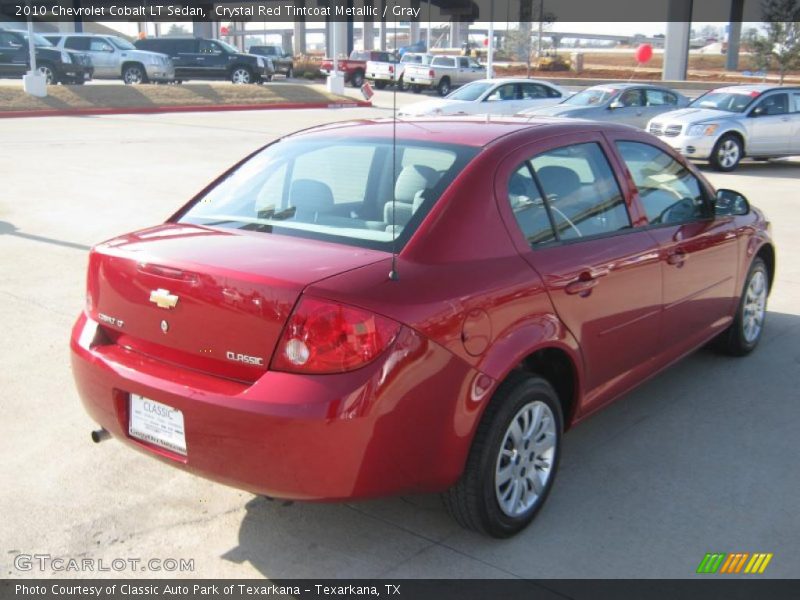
340 191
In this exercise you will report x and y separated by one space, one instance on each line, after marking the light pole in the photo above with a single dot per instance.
490 45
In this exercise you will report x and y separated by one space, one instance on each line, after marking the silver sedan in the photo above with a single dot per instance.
630 103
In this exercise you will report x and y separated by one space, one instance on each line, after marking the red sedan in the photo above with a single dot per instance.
368 308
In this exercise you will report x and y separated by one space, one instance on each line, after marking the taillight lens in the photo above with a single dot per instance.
391 69
328 337
431 73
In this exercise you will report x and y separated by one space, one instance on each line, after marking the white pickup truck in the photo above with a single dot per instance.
443 73
383 73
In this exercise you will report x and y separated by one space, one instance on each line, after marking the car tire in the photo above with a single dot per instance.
241 76
727 153
444 86
745 332
401 84
289 73
380 85
357 79
134 75
417 89
49 72
496 494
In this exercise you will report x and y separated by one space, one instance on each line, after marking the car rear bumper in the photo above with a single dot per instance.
72 72
424 81
402 423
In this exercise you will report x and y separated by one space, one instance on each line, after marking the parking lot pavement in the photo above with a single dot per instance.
702 458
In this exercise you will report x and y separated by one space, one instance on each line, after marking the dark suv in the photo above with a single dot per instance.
283 61
200 58
59 66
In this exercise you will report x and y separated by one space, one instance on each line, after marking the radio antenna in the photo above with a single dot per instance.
393 274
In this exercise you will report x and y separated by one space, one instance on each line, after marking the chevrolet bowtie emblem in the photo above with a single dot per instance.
163 299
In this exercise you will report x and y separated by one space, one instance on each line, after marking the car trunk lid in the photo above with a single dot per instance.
207 299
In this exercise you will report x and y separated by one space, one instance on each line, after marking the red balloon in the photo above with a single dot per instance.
644 53
223 30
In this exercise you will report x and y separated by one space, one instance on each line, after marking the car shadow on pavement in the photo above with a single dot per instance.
9 229
619 469
778 168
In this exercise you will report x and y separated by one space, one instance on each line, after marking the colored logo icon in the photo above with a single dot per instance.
737 562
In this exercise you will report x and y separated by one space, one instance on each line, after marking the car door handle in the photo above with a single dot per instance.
583 285
677 258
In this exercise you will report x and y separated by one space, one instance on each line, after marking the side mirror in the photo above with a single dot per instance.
615 104
758 111
730 203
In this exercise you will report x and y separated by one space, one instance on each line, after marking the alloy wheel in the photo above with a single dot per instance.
240 76
48 74
755 304
728 153
525 462
133 76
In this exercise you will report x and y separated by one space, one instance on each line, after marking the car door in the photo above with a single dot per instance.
14 56
628 108
657 101
104 56
601 271
503 100
184 57
769 126
698 252
213 59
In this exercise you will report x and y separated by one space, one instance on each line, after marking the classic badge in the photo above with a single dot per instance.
163 299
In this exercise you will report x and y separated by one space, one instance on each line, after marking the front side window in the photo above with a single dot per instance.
9 40
631 98
668 191
581 191
96 45
348 191
443 61
776 104
503 92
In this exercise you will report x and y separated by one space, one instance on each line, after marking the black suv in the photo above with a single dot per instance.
59 66
283 61
200 58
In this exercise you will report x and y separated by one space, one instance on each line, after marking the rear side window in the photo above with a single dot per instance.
668 191
796 102
529 207
580 191
78 43
660 98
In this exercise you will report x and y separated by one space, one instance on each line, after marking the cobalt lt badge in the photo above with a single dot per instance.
164 326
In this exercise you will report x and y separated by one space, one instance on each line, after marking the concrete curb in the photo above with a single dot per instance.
81 112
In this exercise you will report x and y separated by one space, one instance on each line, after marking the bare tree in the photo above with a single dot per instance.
779 45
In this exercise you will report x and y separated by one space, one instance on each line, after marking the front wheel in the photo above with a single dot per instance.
513 460
241 75
134 75
743 335
727 153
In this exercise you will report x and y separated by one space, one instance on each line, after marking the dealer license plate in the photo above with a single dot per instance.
157 424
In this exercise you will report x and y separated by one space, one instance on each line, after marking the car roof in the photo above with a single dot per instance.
476 131
752 87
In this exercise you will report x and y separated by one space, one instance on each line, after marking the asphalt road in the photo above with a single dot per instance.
702 458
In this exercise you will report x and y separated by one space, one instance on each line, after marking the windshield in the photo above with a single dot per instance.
38 40
228 47
338 191
121 44
470 92
591 97
734 102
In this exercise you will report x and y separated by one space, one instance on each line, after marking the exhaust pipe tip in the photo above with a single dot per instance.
100 435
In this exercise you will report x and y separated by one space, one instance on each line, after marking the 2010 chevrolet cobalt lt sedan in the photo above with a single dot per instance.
373 308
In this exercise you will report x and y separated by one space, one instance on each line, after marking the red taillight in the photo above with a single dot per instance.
327 337
391 69
431 74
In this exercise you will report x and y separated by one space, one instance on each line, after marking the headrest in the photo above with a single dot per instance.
411 180
560 181
308 195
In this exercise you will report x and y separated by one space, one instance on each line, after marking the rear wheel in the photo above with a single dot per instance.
444 86
289 73
513 460
745 332
417 89
48 72
357 79
401 84
380 85
727 153
241 75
